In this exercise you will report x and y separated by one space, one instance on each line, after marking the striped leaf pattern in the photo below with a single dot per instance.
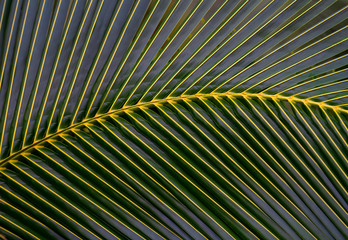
175 119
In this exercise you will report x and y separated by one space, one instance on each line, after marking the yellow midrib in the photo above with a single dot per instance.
274 97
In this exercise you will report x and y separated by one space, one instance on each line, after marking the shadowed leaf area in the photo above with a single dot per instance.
165 119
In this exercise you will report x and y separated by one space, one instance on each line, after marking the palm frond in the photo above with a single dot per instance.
173 119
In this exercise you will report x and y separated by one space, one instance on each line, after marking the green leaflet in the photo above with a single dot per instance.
173 119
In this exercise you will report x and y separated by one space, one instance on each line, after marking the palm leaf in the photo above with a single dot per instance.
173 119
